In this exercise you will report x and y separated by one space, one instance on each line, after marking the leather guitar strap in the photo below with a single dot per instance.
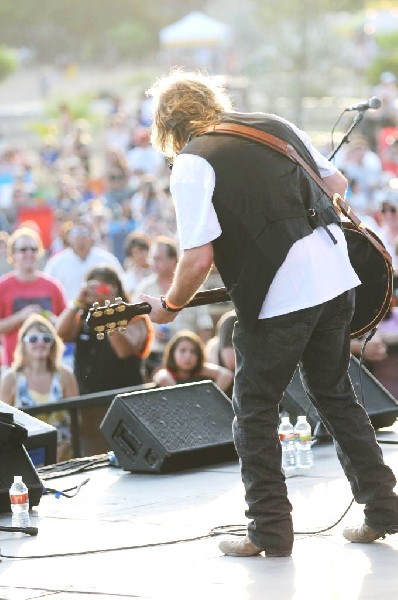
287 150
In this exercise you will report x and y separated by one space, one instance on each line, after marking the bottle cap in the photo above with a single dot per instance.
17 478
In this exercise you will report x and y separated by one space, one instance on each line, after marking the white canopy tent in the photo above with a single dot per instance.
195 30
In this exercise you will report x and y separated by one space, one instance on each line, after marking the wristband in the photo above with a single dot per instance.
169 306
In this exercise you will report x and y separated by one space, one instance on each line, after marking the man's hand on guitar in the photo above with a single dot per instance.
158 314
115 316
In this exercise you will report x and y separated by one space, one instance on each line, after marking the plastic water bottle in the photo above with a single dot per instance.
286 436
19 500
302 437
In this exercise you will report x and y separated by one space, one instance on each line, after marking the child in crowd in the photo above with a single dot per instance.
184 362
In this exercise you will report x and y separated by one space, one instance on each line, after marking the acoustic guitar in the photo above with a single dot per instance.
373 296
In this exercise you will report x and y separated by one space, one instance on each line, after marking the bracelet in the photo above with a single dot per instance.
76 305
169 306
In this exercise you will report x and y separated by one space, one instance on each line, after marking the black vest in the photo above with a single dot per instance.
264 203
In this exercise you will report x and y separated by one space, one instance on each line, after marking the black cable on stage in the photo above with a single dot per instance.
73 466
70 592
105 550
58 493
239 530
27 530
363 402
367 339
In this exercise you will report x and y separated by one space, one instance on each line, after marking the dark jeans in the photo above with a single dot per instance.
318 339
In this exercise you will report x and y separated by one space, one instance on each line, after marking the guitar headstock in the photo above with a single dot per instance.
114 317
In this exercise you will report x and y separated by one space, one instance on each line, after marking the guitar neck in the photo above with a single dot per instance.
200 299
108 318
209 297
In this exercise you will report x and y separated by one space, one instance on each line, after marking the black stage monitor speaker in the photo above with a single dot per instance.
170 428
14 460
41 444
380 405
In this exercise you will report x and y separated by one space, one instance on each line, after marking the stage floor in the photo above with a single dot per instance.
117 538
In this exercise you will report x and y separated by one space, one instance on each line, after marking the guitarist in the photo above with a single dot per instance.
279 248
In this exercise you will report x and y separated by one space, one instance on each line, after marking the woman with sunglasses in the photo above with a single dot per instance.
37 376
25 290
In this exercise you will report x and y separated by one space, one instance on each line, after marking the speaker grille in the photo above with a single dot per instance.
184 416
171 428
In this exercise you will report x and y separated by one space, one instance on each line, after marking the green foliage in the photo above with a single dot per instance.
8 61
87 30
387 42
140 79
80 107
380 65
131 38
387 58
277 10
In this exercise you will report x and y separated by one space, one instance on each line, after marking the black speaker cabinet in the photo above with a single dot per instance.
380 405
14 460
41 444
170 428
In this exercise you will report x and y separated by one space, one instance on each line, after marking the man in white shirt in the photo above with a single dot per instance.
282 255
70 265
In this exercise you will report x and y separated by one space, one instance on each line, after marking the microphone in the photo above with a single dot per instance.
373 102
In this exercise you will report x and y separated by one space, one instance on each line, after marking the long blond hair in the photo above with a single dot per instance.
184 104
45 326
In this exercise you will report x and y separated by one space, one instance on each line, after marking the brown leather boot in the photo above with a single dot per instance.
366 534
244 547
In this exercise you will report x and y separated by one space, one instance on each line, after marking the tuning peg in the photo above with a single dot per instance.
120 304
100 336
108 310
95 312
121 329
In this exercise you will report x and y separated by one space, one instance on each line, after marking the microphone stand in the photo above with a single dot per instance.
345 138
27 530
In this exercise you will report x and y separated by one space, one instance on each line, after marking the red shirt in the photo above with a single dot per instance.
15 294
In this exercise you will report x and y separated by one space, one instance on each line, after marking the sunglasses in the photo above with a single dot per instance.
24 249
34 338
390 209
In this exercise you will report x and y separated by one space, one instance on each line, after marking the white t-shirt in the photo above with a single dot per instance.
315 269
69 269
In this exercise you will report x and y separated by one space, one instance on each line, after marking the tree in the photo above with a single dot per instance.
302 52
83 30
8 61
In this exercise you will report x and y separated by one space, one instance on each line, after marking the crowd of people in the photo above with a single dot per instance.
85 221
87 218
